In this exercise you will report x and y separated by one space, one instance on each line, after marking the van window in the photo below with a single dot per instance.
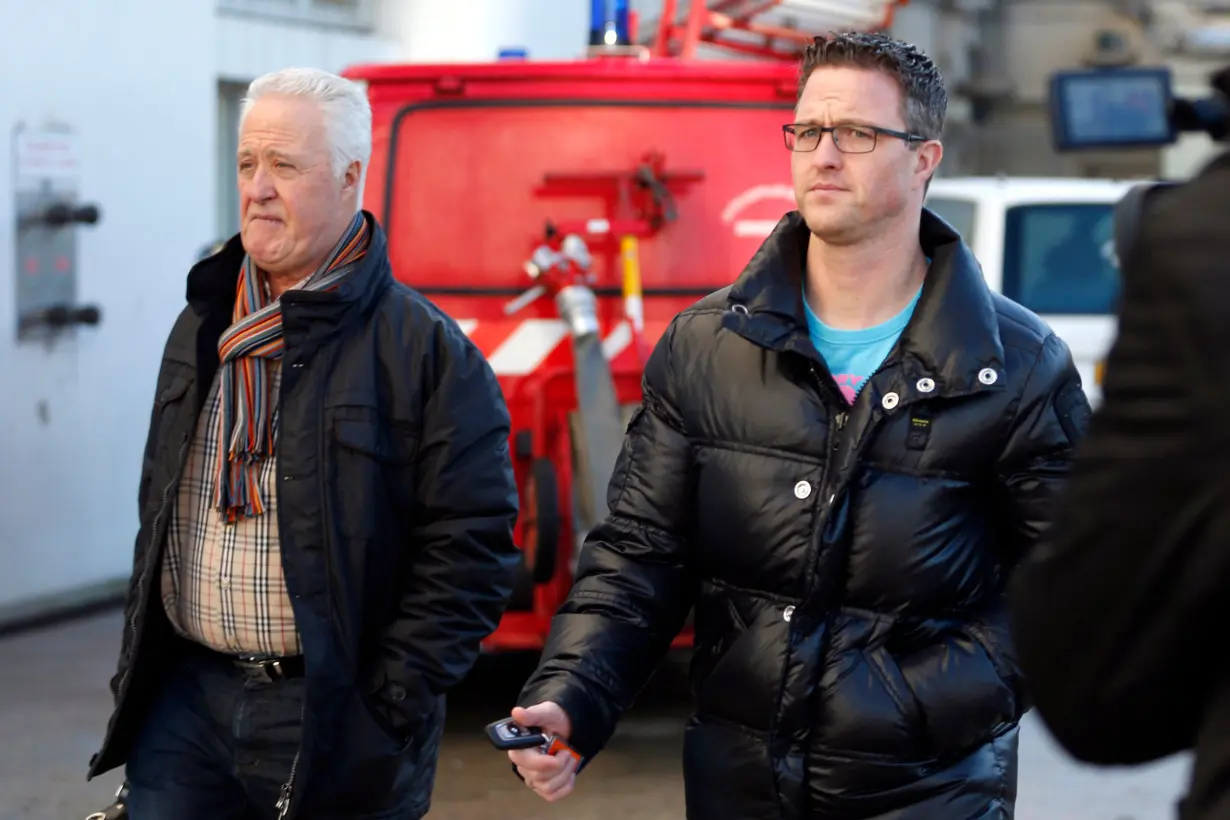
1060 258
959 213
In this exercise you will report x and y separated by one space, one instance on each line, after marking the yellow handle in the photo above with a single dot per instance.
632 266
633 305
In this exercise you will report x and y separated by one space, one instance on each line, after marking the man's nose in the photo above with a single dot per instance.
260 185
826 154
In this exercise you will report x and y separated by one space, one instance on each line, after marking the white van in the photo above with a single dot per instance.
1047 244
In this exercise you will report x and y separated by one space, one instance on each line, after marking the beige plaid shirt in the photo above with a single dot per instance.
222 584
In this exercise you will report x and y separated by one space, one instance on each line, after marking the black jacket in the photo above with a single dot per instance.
846 564
396 511
1122 614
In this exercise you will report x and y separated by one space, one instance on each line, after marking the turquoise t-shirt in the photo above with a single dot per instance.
853 355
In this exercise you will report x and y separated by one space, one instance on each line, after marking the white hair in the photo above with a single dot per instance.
348 114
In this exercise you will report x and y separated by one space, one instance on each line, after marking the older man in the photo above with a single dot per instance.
326 504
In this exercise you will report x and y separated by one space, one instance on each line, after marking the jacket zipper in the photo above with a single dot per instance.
839 419
287 791
837 424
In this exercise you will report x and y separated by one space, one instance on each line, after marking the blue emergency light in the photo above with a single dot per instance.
608 23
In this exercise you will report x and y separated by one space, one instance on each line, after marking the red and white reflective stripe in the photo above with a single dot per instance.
618 340
527 347
518 347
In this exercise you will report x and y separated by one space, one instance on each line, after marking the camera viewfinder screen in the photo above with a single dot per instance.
1099 108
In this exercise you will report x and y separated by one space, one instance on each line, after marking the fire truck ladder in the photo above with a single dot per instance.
774 29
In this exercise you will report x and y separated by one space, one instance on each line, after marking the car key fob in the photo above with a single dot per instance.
507 734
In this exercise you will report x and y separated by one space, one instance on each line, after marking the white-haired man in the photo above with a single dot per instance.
326 504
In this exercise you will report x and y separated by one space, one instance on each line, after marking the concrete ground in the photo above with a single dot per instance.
54 705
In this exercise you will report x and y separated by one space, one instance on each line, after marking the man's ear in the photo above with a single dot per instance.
351 177
928 161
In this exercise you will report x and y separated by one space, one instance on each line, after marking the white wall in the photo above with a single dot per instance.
134 79
248 46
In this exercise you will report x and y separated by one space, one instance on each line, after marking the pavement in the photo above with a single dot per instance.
54 706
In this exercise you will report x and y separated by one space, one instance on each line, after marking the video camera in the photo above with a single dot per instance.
1131 108
1123 108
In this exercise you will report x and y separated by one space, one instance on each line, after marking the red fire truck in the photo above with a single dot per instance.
617 189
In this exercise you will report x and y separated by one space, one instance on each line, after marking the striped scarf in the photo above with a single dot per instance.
245 351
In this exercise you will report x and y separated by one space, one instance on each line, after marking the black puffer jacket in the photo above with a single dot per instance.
846 564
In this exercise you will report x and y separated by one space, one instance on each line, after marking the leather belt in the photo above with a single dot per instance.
255 668
269 670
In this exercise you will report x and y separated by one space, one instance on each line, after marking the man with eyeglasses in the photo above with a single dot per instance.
838 462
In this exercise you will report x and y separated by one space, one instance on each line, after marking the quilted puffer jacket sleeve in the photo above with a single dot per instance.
632 591
1052 415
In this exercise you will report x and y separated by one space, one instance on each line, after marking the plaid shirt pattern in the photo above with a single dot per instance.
222 584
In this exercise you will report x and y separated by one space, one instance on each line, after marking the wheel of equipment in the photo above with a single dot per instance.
540 535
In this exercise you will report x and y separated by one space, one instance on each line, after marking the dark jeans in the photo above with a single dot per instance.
214 744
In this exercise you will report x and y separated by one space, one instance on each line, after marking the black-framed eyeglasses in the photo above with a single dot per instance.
849 139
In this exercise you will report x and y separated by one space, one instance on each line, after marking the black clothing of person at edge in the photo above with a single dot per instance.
1122 614
847 564
427 506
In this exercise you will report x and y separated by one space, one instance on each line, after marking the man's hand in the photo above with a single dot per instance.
550 776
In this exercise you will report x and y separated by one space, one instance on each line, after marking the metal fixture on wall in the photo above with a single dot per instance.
48 211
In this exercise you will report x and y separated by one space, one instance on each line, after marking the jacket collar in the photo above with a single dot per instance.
952 337
213 280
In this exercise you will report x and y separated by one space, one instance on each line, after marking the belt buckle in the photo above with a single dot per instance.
261 670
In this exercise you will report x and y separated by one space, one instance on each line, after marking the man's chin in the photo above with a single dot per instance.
835 229
267 259
260 246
